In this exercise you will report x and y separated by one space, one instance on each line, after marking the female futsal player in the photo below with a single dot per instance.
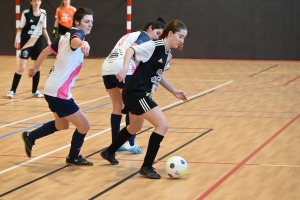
31 31
70 49
154 57
112 65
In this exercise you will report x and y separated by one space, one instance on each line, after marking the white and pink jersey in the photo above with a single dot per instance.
114 62
63 74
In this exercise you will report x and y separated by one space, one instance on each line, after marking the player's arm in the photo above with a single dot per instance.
19 31
45 33
83 45
127 57
43 55
177 93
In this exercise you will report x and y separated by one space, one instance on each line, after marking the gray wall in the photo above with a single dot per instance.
217 29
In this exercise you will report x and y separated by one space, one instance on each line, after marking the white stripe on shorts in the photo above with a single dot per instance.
144 105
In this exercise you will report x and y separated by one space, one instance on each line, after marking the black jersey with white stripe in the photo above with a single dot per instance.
154 60
29 23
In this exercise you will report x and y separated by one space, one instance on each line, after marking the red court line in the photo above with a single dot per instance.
291 81
224 178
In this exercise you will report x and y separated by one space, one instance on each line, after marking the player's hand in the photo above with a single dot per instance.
31 72
121 75
17 44
180 47
179 94
85 48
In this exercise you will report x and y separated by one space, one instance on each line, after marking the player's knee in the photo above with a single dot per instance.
61 127
84 128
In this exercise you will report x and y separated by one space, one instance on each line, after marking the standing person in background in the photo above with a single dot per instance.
31 31
70 50
63 18
154 57
113 64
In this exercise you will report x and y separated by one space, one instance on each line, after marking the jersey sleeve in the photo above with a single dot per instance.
144 51
23 19
76 34
143 37
56 13
45 19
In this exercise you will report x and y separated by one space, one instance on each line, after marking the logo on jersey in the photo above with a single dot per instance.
25 54
31 20
160 60
35 30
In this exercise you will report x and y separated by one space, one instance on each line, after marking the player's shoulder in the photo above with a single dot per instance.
72 7
43 11
26 11
159 43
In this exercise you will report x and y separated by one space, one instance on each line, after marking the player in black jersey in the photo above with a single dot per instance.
31 31
154 57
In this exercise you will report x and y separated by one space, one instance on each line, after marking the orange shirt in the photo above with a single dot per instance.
65 16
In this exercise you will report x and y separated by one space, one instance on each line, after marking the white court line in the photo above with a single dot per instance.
101 132
23 120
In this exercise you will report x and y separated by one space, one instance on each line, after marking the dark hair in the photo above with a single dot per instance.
80 13
158 23
174 26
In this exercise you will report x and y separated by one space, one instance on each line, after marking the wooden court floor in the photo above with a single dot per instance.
239 133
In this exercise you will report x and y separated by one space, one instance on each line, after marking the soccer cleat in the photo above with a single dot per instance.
134 149
27 143
149 172
10 94
110 158
78 161
37 94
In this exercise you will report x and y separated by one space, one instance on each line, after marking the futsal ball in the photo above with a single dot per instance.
176 167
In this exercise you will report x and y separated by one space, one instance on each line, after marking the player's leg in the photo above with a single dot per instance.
36 50
79 120
156 117
136 125
133 146
46 129
18 74
115 94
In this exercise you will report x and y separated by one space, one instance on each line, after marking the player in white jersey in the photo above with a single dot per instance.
32 28
70 49
113 64
154 57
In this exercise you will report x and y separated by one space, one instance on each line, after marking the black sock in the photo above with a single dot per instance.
35 81
119 141
131 139
76 144
16 81
153 147
115 121
46 129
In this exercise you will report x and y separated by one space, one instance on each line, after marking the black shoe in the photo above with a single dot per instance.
78 161
149 172
110 158
27 143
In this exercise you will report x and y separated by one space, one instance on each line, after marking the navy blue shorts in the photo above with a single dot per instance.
111 81
62 107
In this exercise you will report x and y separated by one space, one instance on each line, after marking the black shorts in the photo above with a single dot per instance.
62 30
111 81
32 52
137 104
62 107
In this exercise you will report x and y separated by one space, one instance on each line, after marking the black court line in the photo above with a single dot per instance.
61 168
263 70
135 173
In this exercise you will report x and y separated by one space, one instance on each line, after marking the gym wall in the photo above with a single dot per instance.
217 29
